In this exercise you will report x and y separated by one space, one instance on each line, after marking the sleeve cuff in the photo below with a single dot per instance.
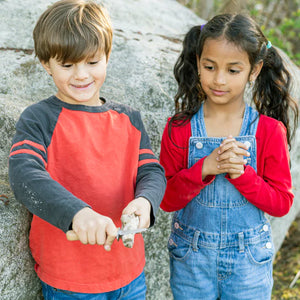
197 169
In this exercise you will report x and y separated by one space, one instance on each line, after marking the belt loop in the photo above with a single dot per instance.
241 242
195 240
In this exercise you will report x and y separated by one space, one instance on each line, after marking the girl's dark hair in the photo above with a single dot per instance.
271 89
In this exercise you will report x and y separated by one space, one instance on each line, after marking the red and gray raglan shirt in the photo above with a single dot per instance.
65 157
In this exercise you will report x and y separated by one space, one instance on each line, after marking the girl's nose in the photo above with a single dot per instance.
220 78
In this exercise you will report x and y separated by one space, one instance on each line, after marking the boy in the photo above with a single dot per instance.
79 162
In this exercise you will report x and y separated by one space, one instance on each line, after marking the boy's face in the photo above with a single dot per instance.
78 83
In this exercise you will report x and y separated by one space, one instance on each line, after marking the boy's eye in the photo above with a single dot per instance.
66 65
93 62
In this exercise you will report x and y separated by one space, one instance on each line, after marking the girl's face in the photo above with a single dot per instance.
224 71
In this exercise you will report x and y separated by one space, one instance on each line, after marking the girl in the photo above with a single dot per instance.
226 163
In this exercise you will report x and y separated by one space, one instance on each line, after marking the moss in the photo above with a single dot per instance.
287 264
27 68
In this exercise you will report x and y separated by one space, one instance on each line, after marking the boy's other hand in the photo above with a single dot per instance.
93 228
141 207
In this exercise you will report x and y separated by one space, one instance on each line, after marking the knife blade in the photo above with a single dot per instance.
72 236
122 232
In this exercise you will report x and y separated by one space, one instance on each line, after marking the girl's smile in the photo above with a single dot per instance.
218 92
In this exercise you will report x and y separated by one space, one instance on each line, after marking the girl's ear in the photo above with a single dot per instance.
46 66
198 64
256 70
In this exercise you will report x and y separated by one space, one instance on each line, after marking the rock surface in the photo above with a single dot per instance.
147 41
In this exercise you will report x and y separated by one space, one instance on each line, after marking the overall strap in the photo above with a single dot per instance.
250 122
197 123
249 125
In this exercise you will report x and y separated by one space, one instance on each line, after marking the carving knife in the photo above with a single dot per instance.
72 236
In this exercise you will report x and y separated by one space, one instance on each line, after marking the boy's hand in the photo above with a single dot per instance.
93 228
141 207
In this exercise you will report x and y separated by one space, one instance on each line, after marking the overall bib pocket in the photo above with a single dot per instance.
179 249
262 252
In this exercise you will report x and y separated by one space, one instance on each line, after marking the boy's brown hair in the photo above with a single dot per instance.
72 30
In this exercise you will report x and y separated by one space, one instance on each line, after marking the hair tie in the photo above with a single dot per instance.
201 27
269 45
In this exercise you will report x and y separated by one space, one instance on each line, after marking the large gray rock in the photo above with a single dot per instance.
147 42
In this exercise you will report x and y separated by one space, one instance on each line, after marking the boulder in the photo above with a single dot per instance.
147 42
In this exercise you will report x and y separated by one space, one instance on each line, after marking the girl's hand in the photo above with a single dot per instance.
93 228
231 157
228 158
210 164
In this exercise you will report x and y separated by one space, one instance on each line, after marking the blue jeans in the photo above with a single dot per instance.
201 270
136 290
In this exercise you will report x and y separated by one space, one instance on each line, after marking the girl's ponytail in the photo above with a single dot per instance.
271 92
186 75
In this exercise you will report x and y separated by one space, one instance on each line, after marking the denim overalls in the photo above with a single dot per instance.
220 245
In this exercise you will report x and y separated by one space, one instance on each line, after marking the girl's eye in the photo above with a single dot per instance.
92 62
232 71
209 67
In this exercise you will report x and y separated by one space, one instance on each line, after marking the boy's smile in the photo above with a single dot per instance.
78 83
82 86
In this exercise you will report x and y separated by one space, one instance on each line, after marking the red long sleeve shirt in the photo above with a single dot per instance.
66 157
269 188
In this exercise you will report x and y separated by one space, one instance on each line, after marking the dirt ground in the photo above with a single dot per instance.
287 265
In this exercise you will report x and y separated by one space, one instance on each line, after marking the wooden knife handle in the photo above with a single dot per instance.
72 236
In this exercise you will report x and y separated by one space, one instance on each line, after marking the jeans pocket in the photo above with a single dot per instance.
179 249
51 293
260 253
62 292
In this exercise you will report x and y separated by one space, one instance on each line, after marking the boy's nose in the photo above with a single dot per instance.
80 72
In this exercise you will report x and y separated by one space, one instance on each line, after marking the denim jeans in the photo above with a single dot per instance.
200 269
136 290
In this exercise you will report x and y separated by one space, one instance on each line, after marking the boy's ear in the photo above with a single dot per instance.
46 66
107 57
256 70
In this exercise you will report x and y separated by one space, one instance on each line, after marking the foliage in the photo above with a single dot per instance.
286 36
279 20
